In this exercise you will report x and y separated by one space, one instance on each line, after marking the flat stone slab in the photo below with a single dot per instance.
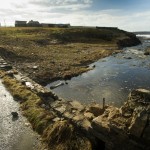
5 67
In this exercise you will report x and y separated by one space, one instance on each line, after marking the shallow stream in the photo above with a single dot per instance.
15 133
113 78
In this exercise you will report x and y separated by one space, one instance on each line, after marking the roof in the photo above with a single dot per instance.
20 21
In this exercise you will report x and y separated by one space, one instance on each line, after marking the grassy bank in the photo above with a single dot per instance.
56 135
47 54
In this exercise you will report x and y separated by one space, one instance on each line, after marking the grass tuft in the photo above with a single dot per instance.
63 136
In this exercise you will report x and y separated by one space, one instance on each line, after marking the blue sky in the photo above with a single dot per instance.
130 15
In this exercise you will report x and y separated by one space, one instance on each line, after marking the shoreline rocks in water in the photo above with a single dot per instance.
147 51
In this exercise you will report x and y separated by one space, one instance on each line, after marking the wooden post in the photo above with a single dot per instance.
103 103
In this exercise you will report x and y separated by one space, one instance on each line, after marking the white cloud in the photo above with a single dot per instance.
76 12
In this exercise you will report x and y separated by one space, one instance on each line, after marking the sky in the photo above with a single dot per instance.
129 15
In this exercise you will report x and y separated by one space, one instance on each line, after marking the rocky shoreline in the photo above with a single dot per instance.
66 124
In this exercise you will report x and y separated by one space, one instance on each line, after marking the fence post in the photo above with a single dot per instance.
103 103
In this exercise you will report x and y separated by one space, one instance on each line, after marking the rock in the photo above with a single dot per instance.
57 85
29 85
61 109
43 105
140 96
113 112
126 111
78 117
96 109
101 124
93 66
56 119
5 67
128 57
14 114
68 115
86 124
35 67
146 53
10 73
27 124
76 105
89 115
66 82
138 123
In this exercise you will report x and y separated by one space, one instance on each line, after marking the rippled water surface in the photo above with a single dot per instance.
112 78
14 134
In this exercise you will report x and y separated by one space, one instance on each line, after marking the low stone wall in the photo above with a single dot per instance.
113 128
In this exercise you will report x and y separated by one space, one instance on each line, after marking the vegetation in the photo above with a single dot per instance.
57 52
60 135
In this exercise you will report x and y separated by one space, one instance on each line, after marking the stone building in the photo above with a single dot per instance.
20 23
32 23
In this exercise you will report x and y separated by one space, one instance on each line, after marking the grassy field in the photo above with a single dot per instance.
48 54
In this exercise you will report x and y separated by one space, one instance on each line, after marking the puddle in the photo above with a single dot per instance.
14 134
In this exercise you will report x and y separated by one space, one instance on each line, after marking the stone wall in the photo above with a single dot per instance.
114 128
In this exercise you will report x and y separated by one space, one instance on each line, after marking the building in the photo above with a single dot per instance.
63 25
32 23
48 25
20 23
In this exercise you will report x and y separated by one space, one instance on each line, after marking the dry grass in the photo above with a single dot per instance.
60 135
30 104
63 136
58 53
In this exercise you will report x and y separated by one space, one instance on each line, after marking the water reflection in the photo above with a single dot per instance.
112 78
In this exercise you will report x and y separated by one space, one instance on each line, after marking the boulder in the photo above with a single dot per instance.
14 114
78 117
29 85
89 115
101 124
76 105
146 53
86 124
138 123
61 109
96 109
140 95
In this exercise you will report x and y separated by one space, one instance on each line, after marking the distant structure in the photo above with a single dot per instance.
32 23
47 25
106 27
20 23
